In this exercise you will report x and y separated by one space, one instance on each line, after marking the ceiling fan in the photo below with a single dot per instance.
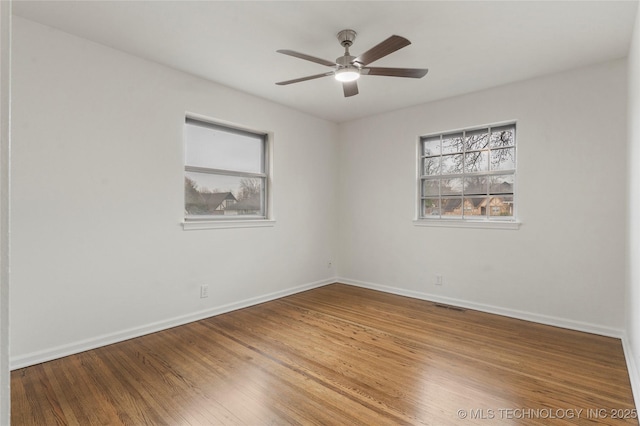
347 69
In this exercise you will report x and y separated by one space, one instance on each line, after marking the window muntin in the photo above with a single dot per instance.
469 174
225 172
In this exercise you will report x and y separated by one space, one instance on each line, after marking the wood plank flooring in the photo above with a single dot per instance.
336 355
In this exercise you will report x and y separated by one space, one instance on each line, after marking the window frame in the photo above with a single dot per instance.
265 218
485 220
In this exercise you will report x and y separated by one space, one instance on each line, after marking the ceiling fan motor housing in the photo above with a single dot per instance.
345 61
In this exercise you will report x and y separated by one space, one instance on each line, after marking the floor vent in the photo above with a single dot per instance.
452 308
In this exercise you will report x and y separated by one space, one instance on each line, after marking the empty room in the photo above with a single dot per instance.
319 212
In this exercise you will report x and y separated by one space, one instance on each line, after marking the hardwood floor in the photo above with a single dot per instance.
336 355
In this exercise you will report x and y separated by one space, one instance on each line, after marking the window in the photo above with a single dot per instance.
225 173
468 175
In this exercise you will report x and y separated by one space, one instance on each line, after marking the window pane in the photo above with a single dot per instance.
502 137
431 146
431 207
503 159
452 207
475 206
430 187
451 164
501 206
469 174
502 184
451 143
475 185
225 150
476 139
476 161
222 195
452 186
431 166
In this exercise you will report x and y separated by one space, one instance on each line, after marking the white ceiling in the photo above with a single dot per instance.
467 46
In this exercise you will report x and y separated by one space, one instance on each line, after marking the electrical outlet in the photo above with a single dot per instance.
438 279
204 291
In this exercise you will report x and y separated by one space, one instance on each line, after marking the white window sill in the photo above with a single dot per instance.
227 224
478 224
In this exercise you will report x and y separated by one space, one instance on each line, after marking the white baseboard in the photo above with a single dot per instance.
512 313
108 339
634 378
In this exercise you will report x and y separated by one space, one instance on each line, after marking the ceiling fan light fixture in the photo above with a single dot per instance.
347 74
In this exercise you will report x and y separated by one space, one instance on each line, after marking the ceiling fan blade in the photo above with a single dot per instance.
310 77
307 57
378 51
396 72
350 88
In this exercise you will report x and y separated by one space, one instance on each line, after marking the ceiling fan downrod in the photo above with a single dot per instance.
345 62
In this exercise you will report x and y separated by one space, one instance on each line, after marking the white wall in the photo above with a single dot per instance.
98 251
99 255
5 97
633 290
566 263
